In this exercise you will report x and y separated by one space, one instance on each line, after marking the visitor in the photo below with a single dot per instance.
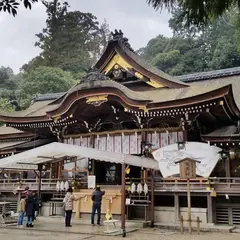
21 211
97 202
29 209
35 205
68 205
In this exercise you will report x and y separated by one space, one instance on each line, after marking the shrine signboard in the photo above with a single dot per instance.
187 168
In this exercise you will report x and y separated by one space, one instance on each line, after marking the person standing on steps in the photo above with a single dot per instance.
68 205
97 202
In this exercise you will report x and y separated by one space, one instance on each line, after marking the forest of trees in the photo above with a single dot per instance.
72 41
191 50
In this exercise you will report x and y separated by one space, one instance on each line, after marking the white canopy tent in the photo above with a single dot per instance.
29 160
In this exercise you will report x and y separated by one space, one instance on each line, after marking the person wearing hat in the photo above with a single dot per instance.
97 202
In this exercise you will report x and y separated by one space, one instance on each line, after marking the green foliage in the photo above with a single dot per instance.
5 106
11 6
196 12
8 84
72 41
43 80
195 49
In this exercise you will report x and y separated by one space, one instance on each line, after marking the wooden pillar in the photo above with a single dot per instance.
185 133
176 207
60 166
145 175
227 168
39 175
123 202
209 209
214 209
77 215
189 206
152 198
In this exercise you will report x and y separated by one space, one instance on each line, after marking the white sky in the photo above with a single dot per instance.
135 18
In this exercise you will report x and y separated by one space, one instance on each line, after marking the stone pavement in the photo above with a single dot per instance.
143 234
56 224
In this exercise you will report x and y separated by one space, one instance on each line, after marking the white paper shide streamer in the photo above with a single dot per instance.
133 188
139 188
58 186
66 185
145 189
62 186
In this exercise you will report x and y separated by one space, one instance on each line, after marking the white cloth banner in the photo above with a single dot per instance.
206 154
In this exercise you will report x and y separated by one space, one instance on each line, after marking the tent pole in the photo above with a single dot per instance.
152 198
39 179
123 202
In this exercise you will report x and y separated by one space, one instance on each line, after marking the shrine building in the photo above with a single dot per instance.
125 105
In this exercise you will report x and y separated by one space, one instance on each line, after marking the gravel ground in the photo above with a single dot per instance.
143 234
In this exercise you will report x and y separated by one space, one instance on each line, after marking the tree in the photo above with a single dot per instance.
193 50
71 41
11 6
8 85
5 106
197 12
43 80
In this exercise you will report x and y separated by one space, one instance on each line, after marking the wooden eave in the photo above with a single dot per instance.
198 99
115 47
224 94
16 136
220 139
83 94
37 119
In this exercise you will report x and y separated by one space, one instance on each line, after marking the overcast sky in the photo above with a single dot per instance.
138 21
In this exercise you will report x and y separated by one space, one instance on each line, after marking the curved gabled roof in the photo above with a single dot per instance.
120 45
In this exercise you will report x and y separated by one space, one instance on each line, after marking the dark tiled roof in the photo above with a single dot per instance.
47 96
227 131
209 75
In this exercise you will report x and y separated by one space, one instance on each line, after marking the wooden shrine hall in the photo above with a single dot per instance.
125 105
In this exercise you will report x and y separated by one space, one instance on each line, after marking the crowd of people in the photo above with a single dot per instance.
28 206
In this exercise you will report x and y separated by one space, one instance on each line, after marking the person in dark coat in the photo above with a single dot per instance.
35 206
97 202
30 206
